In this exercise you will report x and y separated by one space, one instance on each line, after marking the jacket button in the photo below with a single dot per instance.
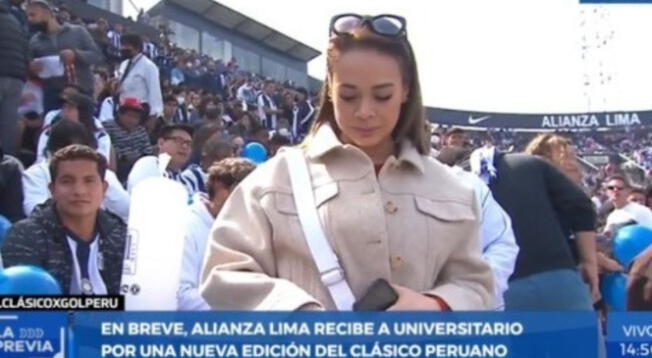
390 207
395 262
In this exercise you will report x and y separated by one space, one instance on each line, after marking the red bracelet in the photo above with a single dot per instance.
440 301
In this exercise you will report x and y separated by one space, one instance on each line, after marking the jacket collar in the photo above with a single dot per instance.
47 216
325 141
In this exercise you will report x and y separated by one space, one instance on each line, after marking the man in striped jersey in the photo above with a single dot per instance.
214 150
150 49
174 140
303 114
129 137
115 42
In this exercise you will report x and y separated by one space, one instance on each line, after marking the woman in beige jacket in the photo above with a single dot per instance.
388 210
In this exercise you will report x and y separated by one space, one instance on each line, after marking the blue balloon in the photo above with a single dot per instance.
5 225
255 152
28 280
614 291
630 241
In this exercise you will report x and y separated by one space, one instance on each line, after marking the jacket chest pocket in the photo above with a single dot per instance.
446 221
290 244
284 201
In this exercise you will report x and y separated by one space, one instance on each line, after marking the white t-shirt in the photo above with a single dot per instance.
498 243
245 93
102 137
148 166
597 203
106 109
198 229
630 212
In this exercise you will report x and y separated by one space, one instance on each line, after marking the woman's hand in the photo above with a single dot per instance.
410 300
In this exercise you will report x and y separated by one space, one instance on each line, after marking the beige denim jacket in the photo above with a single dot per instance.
413 225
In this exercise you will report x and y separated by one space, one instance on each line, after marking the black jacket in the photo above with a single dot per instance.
19 14
538 197
40 240
13 45
11 189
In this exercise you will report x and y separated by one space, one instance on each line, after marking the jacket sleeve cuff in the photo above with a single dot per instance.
255 292
286 296
458 298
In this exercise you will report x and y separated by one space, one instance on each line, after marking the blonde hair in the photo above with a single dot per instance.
546 144
559 151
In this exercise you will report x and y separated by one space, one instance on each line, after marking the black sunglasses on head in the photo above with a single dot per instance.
384 25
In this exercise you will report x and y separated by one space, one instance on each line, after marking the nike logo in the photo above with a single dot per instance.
478 120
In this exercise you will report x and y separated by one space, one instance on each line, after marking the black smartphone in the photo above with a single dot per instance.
379 297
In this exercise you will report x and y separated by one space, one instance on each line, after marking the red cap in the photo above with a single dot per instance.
131 103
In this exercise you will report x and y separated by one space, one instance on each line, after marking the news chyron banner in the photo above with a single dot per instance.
540 121
34 334
334 335
630 335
